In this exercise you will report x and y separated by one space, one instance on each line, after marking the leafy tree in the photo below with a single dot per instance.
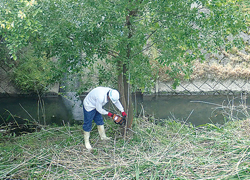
178 30
32 73
124 32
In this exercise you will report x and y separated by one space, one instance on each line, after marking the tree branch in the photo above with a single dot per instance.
113 53
143 50
151 34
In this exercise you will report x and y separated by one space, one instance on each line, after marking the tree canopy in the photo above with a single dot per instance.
78 32
124 33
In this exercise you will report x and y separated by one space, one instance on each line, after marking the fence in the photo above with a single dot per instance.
205 87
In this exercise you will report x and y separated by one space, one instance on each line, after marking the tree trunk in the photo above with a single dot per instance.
125 80
123 85
126 100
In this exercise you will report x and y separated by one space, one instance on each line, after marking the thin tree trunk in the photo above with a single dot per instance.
125 80
123 85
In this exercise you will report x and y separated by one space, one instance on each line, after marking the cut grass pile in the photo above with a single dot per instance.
169 150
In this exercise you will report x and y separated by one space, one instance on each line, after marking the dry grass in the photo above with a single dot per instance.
224 65
171 151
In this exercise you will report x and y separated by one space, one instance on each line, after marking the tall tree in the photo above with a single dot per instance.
123 32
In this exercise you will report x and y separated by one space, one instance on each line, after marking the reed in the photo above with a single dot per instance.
172 150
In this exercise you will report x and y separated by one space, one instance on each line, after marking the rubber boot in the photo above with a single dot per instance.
86 140
102 132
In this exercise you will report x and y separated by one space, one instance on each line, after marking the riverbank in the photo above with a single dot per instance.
169 150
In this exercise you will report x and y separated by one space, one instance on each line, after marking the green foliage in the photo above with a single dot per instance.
140 74
105 75
4 55
32 73
17 25
123 32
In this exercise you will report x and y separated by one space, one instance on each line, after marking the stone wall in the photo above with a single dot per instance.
6 86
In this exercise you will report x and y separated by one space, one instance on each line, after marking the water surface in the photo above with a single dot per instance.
48 110
197 109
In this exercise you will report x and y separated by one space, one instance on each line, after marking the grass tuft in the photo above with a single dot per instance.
171 150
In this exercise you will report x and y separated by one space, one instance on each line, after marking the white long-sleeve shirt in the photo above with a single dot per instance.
97 98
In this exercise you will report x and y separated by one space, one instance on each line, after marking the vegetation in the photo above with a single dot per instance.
169 150
32 73
122 34
126 41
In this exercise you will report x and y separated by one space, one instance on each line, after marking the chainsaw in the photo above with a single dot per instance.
118 119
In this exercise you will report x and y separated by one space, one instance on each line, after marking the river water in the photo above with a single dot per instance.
47 110
195 109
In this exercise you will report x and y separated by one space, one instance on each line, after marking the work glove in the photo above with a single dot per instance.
118 119
124 114
110 114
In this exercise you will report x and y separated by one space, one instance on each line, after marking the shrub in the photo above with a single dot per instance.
33 73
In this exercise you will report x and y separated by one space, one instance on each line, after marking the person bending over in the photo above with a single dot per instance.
93 110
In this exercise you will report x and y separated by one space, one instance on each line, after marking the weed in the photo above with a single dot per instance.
172 150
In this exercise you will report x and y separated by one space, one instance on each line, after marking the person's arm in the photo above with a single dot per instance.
119 106
100 109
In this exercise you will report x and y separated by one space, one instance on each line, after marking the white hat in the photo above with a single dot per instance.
114 95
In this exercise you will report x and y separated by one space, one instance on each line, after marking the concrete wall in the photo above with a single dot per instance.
6 86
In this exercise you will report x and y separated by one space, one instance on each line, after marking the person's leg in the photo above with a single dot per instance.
100 126
102 133
86 140
98 119
88 118
87 126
